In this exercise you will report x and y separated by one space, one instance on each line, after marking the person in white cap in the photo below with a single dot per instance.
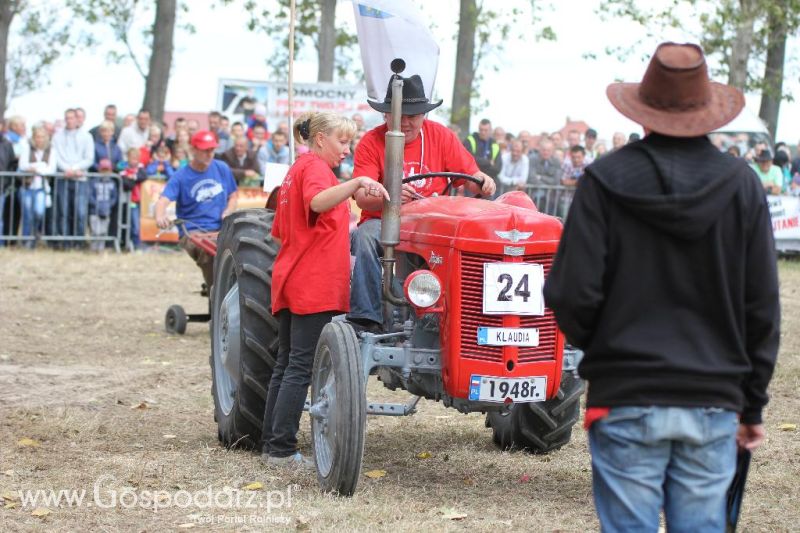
204 192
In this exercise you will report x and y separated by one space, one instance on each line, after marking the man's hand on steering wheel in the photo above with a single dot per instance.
408 194
488 188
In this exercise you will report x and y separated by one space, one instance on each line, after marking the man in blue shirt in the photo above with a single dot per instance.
204 192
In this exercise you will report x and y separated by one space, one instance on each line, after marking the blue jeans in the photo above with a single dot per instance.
135 225
297 344
677 458
73 206
367 282
32 202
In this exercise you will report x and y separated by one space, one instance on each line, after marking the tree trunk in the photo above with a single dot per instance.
155 94
327 39
7 12
465 66
772 91
742 44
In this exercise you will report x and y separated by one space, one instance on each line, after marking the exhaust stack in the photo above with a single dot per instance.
393 181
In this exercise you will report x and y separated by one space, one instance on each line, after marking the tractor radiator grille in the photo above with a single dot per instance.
472 315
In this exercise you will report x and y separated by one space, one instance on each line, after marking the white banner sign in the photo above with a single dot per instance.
785 213
238 99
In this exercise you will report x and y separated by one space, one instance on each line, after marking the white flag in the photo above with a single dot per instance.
388 29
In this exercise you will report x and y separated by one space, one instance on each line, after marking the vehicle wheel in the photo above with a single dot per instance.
338 409
175 320
539 427
244 333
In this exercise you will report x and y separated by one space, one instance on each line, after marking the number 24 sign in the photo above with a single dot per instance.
513 289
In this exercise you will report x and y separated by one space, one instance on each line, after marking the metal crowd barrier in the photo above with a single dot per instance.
59 211
551 199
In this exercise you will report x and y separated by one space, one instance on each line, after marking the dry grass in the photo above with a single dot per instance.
83 346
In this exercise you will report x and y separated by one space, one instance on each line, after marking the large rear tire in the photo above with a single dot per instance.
338 409
244 333
539 427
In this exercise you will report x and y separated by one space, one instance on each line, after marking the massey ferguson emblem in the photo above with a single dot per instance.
513 235
435 260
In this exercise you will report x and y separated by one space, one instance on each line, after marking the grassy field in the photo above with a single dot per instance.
95 397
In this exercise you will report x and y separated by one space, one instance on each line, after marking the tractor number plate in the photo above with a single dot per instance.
513 289
518 390
508 336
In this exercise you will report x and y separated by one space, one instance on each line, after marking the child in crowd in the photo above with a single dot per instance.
133 174
154 140
160 165
180 157
311 275
102 197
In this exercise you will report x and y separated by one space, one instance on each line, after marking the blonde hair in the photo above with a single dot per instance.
40 128
325 122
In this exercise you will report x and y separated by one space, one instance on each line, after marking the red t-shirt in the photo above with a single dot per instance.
312 271
436 149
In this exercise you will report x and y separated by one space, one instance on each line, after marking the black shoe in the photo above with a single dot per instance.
204 290
365 325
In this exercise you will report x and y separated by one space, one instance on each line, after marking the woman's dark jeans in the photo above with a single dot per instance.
297 344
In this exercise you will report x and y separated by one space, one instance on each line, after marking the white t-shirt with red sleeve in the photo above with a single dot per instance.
436 149
312 271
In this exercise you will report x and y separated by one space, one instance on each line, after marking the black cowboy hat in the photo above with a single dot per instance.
414 99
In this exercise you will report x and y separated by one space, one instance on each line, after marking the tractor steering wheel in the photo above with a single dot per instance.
447 175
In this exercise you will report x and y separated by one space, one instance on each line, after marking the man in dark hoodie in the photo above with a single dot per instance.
666 278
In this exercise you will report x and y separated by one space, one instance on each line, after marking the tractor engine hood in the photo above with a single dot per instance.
478 225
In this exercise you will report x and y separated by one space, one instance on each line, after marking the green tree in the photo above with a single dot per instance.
33 36
315 27
745 38
482 34
123 18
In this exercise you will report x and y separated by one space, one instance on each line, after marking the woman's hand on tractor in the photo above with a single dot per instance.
372 187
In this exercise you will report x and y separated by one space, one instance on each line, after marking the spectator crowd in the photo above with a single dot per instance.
78 177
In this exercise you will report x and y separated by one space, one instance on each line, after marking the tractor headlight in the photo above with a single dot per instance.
423 288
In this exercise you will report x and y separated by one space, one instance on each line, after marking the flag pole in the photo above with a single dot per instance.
292 10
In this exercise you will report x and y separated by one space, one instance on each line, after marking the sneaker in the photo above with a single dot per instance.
297 460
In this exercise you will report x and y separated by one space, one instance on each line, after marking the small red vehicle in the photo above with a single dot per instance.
176 319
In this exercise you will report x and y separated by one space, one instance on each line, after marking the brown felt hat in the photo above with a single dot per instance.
675 96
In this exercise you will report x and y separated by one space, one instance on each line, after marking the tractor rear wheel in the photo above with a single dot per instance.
338 409
244 333
539 427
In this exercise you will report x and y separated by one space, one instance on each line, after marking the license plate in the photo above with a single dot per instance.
519 390
513 289
508 336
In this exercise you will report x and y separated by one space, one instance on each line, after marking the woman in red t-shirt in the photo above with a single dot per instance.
311 275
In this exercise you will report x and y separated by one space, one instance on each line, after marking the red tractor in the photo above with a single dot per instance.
470 330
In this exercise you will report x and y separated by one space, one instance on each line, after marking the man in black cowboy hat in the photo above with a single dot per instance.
666 278
429 147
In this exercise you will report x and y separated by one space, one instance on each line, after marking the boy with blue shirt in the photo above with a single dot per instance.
204 192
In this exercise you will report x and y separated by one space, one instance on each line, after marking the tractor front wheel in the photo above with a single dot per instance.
539 427
338 409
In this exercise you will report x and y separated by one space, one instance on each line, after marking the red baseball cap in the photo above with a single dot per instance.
204 140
